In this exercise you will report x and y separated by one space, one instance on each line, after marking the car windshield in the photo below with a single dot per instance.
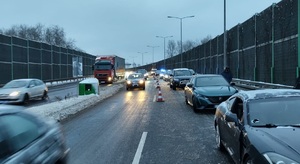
182 73
210 81
102 66
135 76
142 71
15 84
276 112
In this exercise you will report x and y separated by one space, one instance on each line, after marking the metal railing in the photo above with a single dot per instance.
252 85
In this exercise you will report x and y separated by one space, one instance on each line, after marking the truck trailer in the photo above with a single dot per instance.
109 68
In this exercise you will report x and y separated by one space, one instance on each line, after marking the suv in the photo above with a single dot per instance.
179 77
143 72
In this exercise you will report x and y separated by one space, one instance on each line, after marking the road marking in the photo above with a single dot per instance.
154 98
138 153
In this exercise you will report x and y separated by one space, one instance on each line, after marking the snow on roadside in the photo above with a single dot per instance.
63 109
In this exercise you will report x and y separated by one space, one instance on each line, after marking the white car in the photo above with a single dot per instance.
23 90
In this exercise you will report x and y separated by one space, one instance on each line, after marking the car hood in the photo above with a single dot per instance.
134 80
9 90
283 140
216 90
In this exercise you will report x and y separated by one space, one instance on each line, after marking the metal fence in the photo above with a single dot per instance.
263 48
20 58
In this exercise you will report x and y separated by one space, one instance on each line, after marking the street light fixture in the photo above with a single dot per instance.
152 51
180 18
142 56
164 37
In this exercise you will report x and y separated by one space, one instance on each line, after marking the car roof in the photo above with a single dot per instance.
25 79
10 109
180 69
269 93
207 75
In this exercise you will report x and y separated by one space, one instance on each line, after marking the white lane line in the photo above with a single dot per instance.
138 153
154 98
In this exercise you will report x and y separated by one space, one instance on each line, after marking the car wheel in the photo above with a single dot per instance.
26 99
170 85
220 146
143 88
195 106
174 87
127 88
186 101
248 160
45 95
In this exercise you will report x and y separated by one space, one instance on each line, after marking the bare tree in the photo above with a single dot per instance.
187 45
206 39
54 35
171 48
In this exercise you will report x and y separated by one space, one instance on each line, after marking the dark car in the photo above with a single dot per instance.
260 126
179 77
26 138
206 91
135 80
143 72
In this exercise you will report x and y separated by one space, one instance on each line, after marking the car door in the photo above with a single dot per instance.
39 87
235 129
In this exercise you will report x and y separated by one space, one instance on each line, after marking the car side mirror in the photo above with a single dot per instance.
232 83
231 117
190 85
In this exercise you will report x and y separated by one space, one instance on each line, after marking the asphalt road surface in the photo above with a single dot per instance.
131 127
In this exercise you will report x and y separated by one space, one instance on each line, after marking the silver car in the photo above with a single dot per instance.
23 90
27 138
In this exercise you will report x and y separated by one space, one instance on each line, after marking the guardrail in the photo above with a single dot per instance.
258 85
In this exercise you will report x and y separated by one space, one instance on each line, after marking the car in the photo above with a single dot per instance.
135 80
23 90
144 72
28 138
260 126
207 91
153 71
179 77
166 77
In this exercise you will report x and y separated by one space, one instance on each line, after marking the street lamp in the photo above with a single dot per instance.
164 37
180 18
225 36
152 52
142 56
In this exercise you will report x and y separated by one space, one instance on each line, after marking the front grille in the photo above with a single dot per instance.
102 75
218 99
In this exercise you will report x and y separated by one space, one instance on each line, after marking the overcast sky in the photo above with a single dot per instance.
126 27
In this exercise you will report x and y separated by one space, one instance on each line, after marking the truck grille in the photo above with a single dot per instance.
102 75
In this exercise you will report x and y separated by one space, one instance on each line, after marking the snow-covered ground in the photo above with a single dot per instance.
63 109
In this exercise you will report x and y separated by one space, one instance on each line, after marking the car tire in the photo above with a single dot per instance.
220 146
174 87
26 99
127 88
186 101
195 106
45 95
143 88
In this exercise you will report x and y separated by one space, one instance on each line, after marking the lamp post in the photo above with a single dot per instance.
181 18
142 56
225 36
164 37
152 51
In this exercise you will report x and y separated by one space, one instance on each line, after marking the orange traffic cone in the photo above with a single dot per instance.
159 97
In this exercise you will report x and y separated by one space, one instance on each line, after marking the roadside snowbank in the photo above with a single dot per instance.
63 109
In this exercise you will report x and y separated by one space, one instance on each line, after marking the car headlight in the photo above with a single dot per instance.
276 158
109 79
128 82
141 81
15 93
